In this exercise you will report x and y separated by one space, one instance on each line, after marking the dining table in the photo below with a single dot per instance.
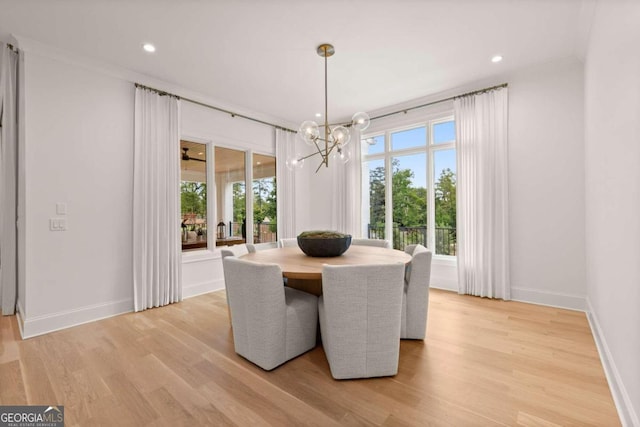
304 272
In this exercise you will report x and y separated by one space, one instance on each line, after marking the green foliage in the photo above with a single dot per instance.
410 203
376 197
193 198
322 234
264 199
239 202
445 194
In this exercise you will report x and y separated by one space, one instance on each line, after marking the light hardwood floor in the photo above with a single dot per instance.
484 363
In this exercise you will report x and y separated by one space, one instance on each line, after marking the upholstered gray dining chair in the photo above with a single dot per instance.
415 298
271 323
286 243
252 247
227 251
235 250
372 242
360 313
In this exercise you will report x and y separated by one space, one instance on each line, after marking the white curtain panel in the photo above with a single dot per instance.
156 201
347 189
286 184
8 178
482 192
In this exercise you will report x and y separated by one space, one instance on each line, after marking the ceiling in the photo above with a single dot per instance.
226 160
260 55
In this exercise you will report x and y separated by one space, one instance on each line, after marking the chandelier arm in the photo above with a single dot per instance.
315 141
311 155
332 147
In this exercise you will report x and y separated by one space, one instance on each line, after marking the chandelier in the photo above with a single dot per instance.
331 143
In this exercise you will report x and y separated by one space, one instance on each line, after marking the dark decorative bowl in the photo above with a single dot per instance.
319 247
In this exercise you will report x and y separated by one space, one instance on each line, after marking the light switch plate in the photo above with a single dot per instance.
61 208
58 224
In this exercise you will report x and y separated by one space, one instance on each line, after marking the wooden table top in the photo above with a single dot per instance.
296 265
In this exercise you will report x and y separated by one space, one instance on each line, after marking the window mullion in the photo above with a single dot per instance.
431 198
388 200
248 195
212 196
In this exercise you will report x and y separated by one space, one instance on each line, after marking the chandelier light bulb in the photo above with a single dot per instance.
341 135
340 154
344 156
295 162
360 121
309 131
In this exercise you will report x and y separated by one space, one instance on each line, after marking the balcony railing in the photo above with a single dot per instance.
446 243
262 231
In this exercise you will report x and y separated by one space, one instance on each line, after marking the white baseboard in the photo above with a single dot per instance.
202 288
444 274
20 317
39 325
444 285
626 412
552 299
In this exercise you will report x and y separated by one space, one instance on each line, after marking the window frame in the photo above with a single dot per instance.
209 251
213 251
429 148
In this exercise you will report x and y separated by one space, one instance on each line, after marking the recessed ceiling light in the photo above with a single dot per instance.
148 47
258 163
200 154
496 58
318 115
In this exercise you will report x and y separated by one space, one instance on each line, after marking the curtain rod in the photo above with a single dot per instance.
451 98
231 113
405 110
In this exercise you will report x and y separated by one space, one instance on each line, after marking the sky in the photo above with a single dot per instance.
417 137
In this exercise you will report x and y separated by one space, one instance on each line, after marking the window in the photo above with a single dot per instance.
264 199
375 197
223 221
231 200
409 179
193 195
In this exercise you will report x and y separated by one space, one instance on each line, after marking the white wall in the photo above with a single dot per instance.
78 149
612 105
313 194
546 184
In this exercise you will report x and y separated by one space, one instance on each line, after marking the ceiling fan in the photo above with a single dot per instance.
186 156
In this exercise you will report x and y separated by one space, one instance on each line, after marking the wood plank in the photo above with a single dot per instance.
483 363
12 391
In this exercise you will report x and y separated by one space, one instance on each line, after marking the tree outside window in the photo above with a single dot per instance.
419 214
